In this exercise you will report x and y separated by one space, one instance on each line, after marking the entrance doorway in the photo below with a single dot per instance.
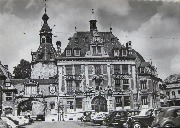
99 104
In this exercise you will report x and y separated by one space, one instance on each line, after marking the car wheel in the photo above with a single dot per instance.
103 122
169 125
137 125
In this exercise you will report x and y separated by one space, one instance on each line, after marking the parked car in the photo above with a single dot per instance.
143 120
3 124
116 118
167 117
99 118
87 115
11 123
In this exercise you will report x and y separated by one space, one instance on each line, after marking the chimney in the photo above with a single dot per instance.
129 47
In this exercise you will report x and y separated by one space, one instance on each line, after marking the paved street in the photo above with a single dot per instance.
64 124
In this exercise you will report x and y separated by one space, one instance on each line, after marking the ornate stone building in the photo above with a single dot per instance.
172 89
94 72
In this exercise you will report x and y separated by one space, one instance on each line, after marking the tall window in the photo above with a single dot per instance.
125 84
97 69
142 70
69 69
126 101
78 103
77 85
77 69
94 49
144 100
118 101
117 69
9 96
70 104
125 69
99 49
69 86
143 84
117 85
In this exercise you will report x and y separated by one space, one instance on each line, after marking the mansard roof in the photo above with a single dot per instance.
82 41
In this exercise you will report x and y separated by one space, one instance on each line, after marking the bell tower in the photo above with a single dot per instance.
45 32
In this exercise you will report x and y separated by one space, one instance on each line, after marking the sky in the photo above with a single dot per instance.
153 26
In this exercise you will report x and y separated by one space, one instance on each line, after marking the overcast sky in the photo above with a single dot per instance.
152 26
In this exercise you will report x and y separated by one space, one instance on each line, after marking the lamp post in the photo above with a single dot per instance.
1 101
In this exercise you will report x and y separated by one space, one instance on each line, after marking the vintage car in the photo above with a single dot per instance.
143 120
167 117
3 124
99 118
116 118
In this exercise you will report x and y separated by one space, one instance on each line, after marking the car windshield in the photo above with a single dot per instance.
144 112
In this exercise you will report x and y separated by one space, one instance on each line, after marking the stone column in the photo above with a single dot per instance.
60 70
86 76
109 74
134 73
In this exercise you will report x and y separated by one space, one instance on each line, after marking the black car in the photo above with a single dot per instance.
116 118
167 117
143 120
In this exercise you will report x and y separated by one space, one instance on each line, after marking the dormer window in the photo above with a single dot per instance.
68 52
142 70
96 50
124 52
116 52
77 52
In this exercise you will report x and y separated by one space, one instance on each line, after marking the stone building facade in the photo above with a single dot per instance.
172 89
94 72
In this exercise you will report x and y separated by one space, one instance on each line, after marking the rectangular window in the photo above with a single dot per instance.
70 104
77 85
9 96
77 52
143 84
97 69
117 85
68 69
94 49
144 100
69 87
68 52
124 52
78 103
116 52
117 69
77 69
118 101
125 81
127 101
99 49
178 91
125 69
142 70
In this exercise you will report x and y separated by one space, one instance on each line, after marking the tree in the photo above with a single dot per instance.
22 70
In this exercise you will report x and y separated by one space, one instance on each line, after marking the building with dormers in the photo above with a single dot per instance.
94 72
